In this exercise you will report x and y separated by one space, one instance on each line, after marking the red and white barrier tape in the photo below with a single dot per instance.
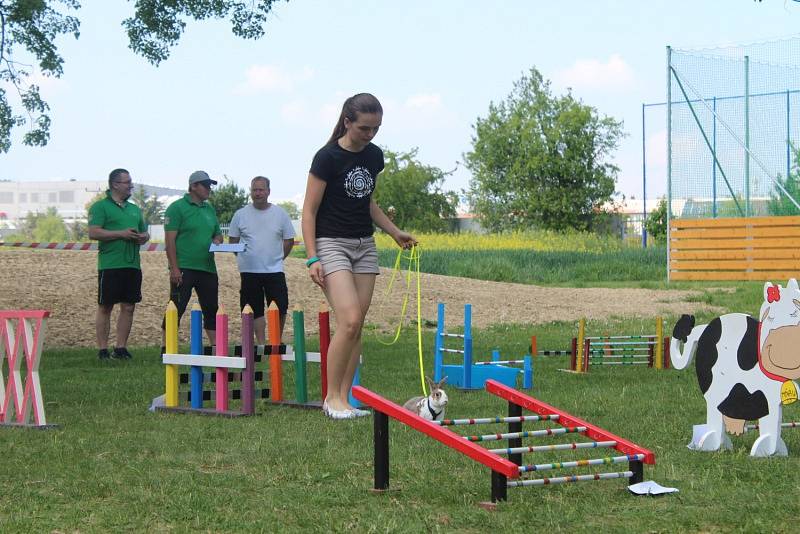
150 247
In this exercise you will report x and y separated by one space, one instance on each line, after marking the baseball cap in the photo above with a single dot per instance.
200 176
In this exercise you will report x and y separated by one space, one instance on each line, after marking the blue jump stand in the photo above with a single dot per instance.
469 376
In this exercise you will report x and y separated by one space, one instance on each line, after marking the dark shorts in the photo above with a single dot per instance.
119 285
206 285
258 288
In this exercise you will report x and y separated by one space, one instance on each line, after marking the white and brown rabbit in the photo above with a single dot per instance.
430 407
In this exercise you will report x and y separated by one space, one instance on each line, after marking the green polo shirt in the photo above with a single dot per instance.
196 225
108 215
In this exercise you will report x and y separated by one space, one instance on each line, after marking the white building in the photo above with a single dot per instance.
69 197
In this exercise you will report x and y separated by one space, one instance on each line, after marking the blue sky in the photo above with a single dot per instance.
243 108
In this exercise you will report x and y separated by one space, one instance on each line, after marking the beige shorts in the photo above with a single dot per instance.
358 255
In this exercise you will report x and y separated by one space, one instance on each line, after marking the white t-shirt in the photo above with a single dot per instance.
262 232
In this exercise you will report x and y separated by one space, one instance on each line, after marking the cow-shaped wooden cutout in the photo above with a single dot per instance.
745 369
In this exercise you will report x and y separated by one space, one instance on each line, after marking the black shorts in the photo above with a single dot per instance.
119 285
206 285
260 287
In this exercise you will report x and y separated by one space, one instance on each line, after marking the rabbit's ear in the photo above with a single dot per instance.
429 381
442 381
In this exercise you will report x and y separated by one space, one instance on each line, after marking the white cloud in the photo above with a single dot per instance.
594 74
267 78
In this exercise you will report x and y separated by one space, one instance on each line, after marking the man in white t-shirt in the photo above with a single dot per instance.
268 237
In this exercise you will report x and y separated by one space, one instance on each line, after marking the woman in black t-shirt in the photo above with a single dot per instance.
338 217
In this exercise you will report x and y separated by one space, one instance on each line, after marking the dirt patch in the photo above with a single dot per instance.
65 283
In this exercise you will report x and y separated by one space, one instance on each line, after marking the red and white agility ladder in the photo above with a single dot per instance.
22 337
150 247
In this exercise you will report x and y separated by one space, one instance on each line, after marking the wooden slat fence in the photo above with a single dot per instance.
753 248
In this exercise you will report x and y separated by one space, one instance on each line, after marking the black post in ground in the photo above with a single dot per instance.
637 467
381 438
499 487
515 410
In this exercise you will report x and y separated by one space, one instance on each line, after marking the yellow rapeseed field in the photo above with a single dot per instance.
534 240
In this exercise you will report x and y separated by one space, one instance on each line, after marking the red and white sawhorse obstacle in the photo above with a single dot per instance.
507 473
21 339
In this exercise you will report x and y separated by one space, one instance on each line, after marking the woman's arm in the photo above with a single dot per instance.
315 188
404 239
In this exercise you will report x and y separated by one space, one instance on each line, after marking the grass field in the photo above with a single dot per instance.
114 466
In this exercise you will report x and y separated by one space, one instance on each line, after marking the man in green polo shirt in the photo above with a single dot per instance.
190 226
119 227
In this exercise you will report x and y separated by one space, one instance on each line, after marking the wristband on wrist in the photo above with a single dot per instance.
311 261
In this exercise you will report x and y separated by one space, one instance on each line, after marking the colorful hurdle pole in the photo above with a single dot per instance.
324 343
196 337
222 350
249 375
580 355
275 376
301 394
171 370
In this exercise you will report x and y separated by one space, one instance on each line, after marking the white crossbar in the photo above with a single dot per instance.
230 362
563 480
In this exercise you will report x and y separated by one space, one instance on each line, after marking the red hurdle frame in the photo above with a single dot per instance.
502 469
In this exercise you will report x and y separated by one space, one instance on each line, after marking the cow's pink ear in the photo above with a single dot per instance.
767 285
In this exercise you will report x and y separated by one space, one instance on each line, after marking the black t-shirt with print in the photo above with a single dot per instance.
350 179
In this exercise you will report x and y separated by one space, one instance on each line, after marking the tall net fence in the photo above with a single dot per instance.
733 133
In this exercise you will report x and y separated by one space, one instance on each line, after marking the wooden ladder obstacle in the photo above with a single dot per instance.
21 340
506 473
470 375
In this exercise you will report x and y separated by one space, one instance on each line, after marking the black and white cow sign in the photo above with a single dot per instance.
745 368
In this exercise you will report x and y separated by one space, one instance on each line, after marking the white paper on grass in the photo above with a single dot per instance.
649 487
226 247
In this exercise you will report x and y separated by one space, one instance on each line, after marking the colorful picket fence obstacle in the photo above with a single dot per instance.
221 362
240 378
470 375
508 472
21 341
651 350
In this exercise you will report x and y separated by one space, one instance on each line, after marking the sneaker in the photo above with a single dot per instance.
103 354
360 413
121 353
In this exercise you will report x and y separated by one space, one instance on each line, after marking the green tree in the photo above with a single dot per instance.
656 223
79 231
540 160
779 203
47 227
411 193
227 198
32 27
152 208
291 209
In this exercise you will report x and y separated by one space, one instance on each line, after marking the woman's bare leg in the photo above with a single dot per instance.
365 285
345 292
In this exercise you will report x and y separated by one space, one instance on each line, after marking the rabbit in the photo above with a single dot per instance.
430 407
